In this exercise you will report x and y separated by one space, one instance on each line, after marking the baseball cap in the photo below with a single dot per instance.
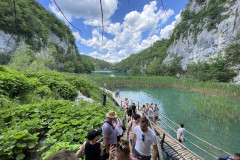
94 133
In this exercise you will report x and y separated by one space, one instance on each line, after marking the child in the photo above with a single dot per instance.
122 151
93 149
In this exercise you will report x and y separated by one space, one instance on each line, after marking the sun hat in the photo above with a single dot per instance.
111 114
94 133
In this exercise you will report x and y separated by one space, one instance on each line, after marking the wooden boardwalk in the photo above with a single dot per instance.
169 144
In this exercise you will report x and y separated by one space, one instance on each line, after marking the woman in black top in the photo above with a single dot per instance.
129 112
93 149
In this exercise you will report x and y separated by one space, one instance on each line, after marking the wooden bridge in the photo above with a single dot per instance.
168 144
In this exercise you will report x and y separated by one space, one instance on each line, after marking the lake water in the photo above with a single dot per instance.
178 106
111 73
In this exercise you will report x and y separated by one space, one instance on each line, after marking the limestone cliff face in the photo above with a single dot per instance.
13 43
208 44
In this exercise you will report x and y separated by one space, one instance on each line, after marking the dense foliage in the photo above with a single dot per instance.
62 124
36 108
99 64
233 51
157 51
32 22
217 70
25 87
171 68
25 58
34 25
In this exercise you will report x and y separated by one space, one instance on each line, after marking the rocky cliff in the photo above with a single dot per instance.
207 43
42 32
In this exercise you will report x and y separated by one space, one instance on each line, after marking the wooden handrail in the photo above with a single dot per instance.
167 134
197 136
193 134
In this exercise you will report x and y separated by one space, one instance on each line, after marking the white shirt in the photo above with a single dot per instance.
132 125
117 127
182 130
150 138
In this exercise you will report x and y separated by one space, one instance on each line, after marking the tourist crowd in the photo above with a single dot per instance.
140 141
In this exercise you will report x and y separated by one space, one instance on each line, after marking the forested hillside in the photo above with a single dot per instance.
200 47
139 62
40 33
98 64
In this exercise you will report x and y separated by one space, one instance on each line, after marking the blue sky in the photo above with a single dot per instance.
131 25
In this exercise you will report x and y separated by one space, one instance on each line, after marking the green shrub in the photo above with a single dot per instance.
63 124
13 83
171 68
217 69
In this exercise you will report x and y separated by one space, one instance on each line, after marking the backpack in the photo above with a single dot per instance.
108 123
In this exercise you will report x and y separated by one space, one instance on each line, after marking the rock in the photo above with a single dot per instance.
209 43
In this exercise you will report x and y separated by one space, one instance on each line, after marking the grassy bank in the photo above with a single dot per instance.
220 100
206 88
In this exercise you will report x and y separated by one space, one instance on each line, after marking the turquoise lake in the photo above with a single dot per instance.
179 107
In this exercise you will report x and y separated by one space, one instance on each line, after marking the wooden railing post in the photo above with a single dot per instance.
138 105
121 103
162 140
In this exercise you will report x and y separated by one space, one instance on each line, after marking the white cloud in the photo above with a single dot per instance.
77 36
86 9
168 30
110 57
127 35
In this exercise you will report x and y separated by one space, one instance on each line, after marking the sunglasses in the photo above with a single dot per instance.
143 137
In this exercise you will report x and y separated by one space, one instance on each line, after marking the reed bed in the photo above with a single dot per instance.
219 100
205 88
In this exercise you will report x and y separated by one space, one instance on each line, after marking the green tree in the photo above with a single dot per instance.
233 51
22 58
135 71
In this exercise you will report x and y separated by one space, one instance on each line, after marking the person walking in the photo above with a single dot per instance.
118 126
150 114
125 105
180 133
131 125
134 109
122 151
144 138
93 150
156 113
129 112
143 108
118 93
109 132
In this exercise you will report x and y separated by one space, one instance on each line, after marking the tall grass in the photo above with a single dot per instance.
220 100
205 88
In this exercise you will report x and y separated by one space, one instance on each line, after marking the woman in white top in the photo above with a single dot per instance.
131 125
118 126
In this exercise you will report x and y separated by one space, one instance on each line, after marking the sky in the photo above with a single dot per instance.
130 25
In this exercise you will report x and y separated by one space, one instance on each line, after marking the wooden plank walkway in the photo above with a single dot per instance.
171 146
